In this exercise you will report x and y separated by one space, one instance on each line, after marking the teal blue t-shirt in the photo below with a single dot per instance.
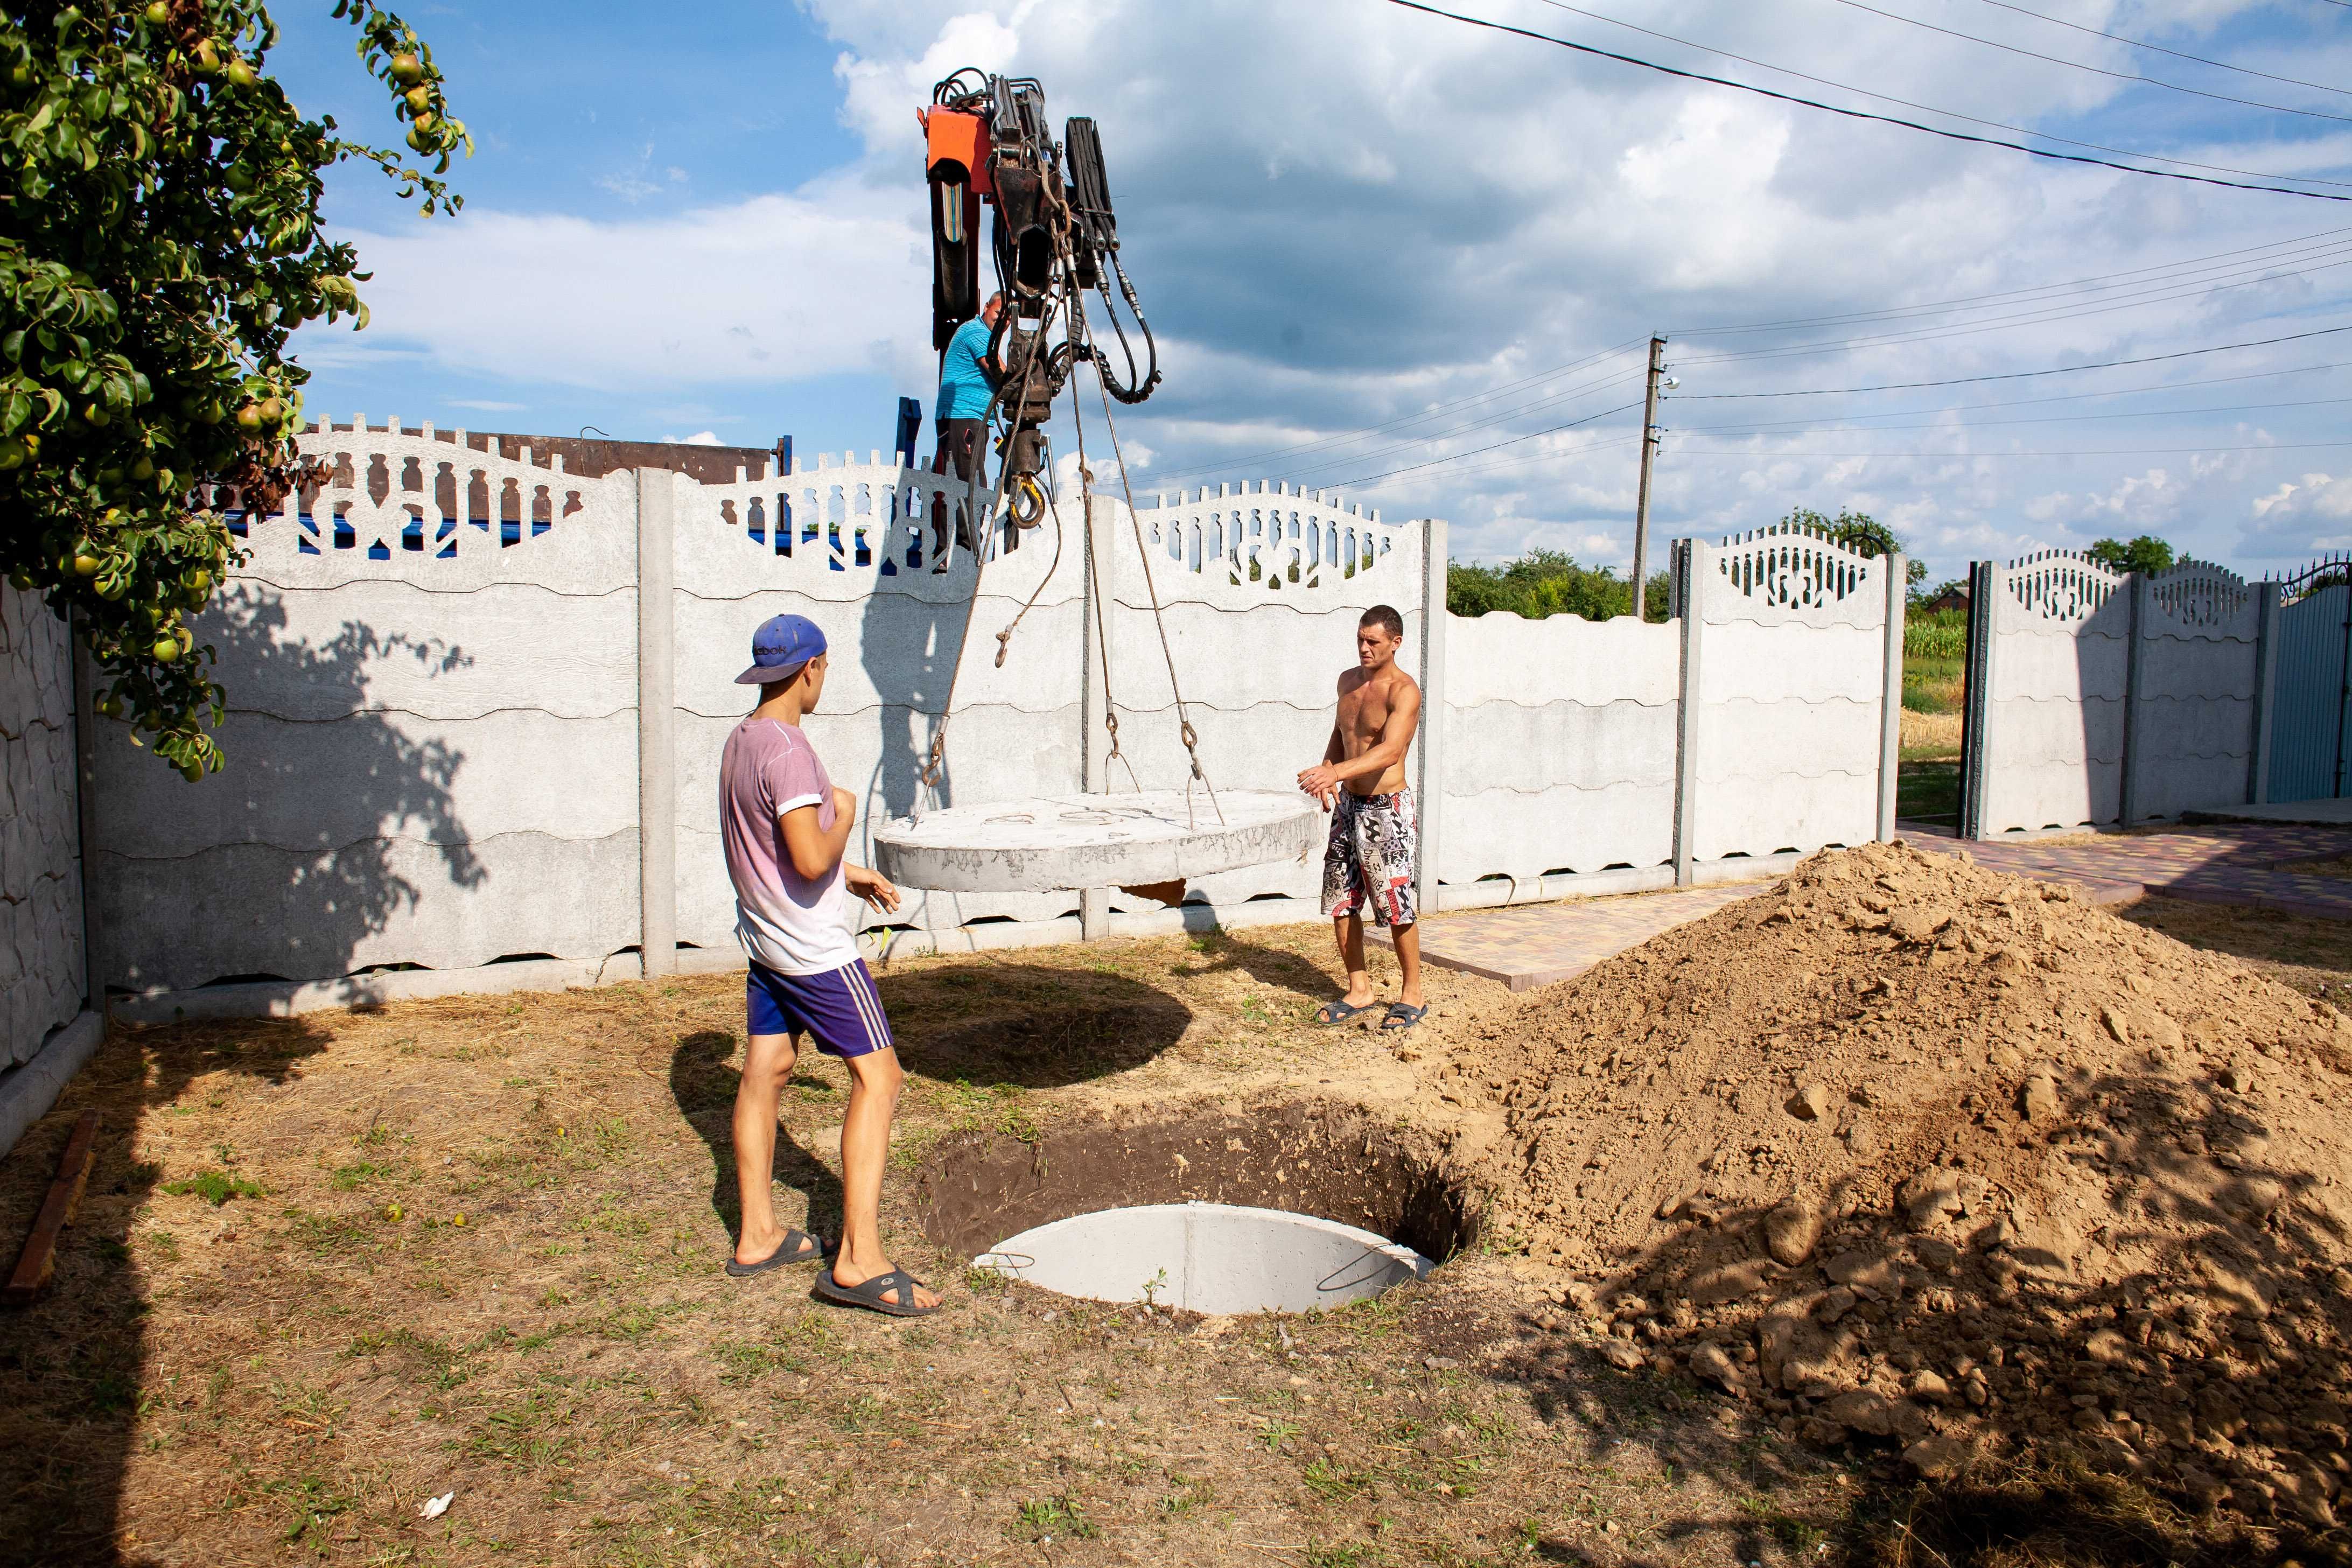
964 388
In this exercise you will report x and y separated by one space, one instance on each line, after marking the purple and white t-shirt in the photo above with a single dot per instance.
784 921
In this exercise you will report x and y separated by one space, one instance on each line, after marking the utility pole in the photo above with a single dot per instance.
1641 504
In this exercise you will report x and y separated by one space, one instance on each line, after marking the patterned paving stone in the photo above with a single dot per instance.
2223 863
1538 944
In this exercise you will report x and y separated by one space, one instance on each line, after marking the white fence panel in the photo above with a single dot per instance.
431 667
1561 745
2098 698
1791 697
1260 590
847 544
40 866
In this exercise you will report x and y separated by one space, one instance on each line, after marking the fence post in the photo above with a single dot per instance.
1097 605
2268 596
1976 699
1890 739
2136 585
1430 782
657 722
1690 594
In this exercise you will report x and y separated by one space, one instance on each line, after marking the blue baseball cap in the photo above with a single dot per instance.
779 647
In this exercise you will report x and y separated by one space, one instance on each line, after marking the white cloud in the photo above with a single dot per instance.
700 438
487 404
822 280
1326 250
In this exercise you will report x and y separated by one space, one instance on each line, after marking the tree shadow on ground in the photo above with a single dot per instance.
703 1082
2264 936
2080 1386
1027 1024
73 1366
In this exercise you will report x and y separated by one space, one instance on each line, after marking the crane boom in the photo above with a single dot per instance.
1053 239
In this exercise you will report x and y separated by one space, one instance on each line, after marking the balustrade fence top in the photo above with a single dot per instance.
1791 566
386 490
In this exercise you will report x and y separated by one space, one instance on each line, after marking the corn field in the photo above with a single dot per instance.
1941 634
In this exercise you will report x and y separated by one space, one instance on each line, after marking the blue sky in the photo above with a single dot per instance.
1375 242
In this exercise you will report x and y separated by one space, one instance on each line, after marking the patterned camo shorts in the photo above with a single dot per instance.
1372 856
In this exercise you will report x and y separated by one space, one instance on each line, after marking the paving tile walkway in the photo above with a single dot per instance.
2221 863
1538 944
2225 863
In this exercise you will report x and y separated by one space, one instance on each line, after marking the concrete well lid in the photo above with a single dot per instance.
1041 844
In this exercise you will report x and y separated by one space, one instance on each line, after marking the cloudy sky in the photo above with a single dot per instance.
1416 261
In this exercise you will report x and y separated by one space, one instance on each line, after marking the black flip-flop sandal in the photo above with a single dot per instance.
869 1294
1332 1012
1401 1017
798 1246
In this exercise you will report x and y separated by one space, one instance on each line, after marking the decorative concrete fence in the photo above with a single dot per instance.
2095 697
41 977
477 705
46 1030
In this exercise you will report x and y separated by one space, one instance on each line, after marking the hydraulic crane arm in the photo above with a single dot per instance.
1052 238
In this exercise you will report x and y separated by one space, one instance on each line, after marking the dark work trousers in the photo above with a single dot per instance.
962 449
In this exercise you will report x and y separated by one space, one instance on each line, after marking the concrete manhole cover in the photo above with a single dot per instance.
1207 1257
1043 843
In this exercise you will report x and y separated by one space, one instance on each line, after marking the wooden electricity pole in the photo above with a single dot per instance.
1641 502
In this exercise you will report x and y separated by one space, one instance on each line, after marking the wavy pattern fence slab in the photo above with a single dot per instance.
41 980
2096 698
477 700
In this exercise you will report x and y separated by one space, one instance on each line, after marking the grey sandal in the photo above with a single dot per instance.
1401 1017
870 1293
1339 1011
798 1246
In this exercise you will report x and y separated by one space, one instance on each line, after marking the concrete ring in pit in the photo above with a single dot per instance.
1041 844
1207 1257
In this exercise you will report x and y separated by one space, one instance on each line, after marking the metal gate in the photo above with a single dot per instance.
2311 723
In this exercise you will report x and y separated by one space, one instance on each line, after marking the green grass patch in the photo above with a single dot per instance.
216 1187
1054 1518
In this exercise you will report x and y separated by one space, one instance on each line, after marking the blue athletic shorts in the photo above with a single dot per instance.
838 1008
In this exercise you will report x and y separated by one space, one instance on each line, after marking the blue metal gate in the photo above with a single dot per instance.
2311 723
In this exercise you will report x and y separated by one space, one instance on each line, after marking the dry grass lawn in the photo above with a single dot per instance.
330 1267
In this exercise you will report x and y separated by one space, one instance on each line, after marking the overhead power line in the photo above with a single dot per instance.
1923 108
2159 48
2042 153
2094 452
2192 263
1807 428
2040 314
2095 70
1433 411
2008 376
1381 454
1474 451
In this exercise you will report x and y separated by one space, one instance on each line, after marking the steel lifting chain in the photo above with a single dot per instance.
1191 736
935 765
1101 590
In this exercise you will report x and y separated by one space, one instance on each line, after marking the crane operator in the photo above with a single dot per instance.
969 377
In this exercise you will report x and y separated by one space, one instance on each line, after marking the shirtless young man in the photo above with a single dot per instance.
1375 845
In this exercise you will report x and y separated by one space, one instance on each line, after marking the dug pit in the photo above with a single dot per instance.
1283 1207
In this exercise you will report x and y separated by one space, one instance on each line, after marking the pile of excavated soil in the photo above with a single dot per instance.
1905 1149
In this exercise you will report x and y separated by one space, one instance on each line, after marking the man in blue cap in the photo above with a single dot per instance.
784 827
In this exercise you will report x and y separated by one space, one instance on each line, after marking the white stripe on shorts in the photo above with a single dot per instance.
869 1006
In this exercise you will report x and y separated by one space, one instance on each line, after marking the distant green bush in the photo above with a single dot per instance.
1547 582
